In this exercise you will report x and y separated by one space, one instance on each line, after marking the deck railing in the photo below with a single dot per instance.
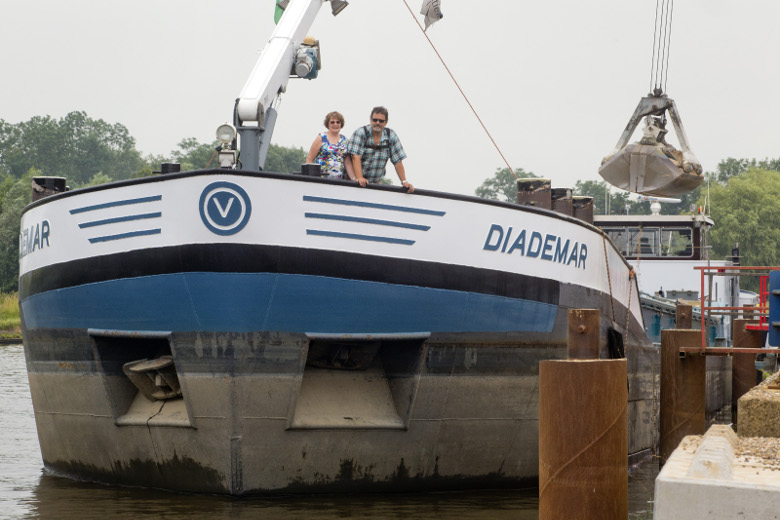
759 314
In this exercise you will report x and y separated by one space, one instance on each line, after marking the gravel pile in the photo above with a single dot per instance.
765 450
759 410
767 389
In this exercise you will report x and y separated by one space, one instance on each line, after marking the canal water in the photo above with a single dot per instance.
27 491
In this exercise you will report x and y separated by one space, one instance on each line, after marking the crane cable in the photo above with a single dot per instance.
461 90
661 44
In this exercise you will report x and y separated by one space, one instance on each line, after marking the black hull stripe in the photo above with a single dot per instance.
241 258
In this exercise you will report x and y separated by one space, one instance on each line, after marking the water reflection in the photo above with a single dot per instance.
56 497
641 489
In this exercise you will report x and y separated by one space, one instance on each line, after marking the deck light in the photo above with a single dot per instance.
226 133
338 5
227 157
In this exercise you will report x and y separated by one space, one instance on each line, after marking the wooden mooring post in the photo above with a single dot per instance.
683 389
743 365
582 341
583 429
683 316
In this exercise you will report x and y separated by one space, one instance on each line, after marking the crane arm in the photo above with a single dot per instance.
272 70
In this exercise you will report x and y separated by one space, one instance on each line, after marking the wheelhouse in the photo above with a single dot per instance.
657 237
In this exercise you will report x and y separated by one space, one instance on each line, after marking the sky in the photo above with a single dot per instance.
554 82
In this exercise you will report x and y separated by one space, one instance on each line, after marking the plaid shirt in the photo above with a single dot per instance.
374 160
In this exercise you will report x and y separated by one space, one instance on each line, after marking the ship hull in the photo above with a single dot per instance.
316 350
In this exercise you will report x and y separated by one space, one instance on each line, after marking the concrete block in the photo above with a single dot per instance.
720 476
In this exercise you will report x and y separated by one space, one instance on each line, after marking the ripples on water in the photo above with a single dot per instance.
26 492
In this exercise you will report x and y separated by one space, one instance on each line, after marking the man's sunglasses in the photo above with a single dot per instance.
378 120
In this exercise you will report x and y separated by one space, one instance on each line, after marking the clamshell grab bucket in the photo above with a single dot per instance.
652 166
648 170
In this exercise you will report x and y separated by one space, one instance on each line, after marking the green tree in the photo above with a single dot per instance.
747 211
151 164
17 197
502 185
98 178
688 200
6 184
770 164
284 159
731 167
75 147
193 155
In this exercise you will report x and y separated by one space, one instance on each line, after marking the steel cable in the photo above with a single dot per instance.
460 90
662 37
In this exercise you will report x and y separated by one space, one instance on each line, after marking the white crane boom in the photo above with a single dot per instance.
272 70
288 51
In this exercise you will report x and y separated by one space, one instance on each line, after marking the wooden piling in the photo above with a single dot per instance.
743 365
683 317
583 430
682 389
583 336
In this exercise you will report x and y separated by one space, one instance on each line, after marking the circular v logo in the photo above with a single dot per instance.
225 208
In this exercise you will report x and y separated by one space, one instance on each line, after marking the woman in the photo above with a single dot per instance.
329 150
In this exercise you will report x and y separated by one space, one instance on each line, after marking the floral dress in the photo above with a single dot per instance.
331 157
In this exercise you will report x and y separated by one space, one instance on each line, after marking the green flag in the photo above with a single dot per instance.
278 12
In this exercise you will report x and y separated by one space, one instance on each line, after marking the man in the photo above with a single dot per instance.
371 146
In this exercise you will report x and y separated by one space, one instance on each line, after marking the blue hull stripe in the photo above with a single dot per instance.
130 234
363 220
141 200
359 203
279 302
117 220
355 236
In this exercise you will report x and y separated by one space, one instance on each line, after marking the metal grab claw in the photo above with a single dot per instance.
652 166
